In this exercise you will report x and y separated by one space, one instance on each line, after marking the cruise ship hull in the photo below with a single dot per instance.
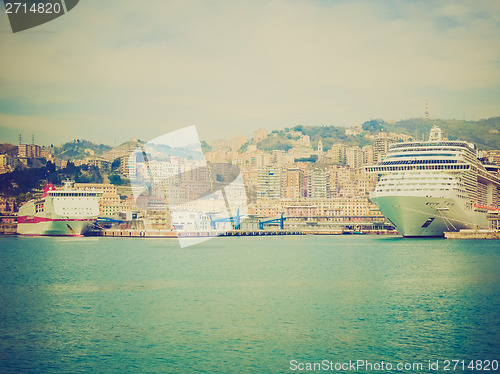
428 216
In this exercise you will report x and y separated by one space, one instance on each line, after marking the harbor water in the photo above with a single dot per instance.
246 304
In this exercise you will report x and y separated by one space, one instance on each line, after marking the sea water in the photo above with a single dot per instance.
247 304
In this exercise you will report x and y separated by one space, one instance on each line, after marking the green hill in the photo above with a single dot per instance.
80 149
34 179
8 149
484 133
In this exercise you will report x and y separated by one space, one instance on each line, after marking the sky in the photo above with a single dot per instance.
112 70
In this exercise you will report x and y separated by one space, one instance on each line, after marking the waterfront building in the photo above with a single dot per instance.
259 158
250 176
101 163
7 205
29 151
6 164
318 183
494 156
278 156
365 182
48 154
338 153
354 157
109 203
192 221
381 147
342 180
293 184
356 208
128 166
269 182
368 155
218 156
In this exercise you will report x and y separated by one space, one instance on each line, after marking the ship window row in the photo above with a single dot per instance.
426 155
413 179
420 184
412 189
434 149
417 162
431 144
75 194
426 176
74 208
417 167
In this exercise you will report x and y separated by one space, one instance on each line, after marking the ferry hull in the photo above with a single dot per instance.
427 216
66 212
55 228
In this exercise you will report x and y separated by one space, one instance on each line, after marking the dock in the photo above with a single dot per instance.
142 233
473 234
180 234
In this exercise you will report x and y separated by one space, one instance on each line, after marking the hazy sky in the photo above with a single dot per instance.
117 69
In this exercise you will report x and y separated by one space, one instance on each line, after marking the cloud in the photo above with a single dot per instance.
128 69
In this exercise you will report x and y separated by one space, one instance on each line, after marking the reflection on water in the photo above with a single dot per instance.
244 304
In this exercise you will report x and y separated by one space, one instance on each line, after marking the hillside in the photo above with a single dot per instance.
29 180
484 133
80 149
8 149
286 139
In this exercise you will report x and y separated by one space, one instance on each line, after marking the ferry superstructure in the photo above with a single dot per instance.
65 212
427 188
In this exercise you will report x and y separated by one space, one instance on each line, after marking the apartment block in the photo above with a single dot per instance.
354 157
269 182
381 147
29 151
340 207
318 184
6 164
338 153
293 184
109 203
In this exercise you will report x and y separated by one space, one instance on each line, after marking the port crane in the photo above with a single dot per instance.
236 220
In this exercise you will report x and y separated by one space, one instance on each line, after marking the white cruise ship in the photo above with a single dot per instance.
427 188
66 212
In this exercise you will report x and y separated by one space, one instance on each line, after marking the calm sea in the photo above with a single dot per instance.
246 305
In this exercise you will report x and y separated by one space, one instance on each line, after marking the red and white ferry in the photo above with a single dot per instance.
65 212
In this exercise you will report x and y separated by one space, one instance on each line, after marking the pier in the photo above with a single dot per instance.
134 233
473 234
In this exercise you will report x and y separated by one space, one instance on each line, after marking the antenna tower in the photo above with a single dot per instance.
426 113
20 139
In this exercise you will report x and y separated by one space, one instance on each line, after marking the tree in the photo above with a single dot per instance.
115 179
116 164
